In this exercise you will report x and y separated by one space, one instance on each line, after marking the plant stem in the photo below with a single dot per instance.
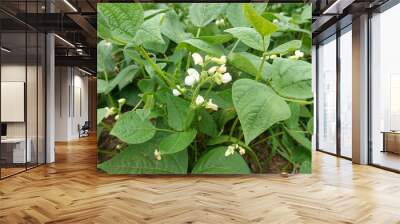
165 130
233 127
234 47
155 67
262 62
137 105
305 102
268 137
198 32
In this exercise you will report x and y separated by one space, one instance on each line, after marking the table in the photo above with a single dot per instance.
391 141
18 149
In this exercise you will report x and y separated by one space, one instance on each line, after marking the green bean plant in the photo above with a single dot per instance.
200 88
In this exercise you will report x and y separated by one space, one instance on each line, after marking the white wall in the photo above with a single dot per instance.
70 83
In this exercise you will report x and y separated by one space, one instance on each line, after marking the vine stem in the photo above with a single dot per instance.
262 62
155 67
233 127
164 130
305 102
234 47
108 94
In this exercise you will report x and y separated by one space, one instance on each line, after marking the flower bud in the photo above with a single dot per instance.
212 70
273 56
199 100
222 69
122 101
157 154
211 105
176 92
217 78
230 150
242 151
197 59
226 78
220 61
299 53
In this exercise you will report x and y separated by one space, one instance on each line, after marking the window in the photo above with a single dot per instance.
346 92
327 96
385 89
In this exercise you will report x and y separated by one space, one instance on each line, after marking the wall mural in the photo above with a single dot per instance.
198 88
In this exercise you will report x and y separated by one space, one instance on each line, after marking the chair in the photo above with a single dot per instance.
84 130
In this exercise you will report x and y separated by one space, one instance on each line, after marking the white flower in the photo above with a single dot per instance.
193 72
220 61
211 105
299 54
157 154
212 70
176 92
197 59
275 21
230 150
116 117
199 100
226 78
273 56
242 151
222 69
190 80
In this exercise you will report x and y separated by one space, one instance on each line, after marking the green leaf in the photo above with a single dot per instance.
101 114
123 19
150 32
133 128
201 14
101 85
215 162
157 47
310 125
103 30
293 121
235 15
197 44
173 28
105 62
222 98
250 37
249 63
146 85
305 167
180 115
292 78
139 159
206 123
286 47
262 25
258 107
131 95
217 39
124 77
299 137
177 142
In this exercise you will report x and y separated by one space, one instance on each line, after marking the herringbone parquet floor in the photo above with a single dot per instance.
72 191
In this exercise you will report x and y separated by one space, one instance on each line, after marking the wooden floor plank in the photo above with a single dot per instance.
73 191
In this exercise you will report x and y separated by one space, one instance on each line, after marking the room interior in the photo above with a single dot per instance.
355 159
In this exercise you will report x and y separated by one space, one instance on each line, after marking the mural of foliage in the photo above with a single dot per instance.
204 88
